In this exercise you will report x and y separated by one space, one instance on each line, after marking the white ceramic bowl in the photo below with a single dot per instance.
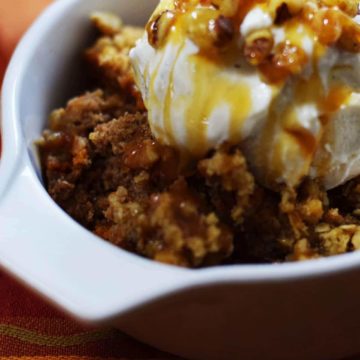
292 311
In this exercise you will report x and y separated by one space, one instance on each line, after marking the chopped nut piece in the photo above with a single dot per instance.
287 60
302 251
208 30
225 31
339 240
258 46
312 211
277 8
158 29
282 14
348 6
334 217
328 25
107 23
321 228
289 57
350 36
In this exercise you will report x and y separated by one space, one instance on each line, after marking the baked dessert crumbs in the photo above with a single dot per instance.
102 165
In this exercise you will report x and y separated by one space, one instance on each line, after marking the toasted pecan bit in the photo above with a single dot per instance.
158 28
283 10
225 31
258 46
108 23
312 210
350 37
282 14
203 29
350 7
303 251
286 60
334 217
289 57
338 240
327 25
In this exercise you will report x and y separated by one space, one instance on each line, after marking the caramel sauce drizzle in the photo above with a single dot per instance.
197 20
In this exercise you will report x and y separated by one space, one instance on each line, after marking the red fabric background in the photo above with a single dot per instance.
30 328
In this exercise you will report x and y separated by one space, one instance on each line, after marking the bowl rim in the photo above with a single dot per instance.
14 148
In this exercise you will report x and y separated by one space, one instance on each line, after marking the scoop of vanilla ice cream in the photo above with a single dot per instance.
305 123
193 104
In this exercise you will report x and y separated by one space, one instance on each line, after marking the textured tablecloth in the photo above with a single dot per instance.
29 328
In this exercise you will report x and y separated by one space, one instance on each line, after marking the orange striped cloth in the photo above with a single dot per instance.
30 329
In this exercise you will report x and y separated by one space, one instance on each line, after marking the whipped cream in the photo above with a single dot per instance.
306 125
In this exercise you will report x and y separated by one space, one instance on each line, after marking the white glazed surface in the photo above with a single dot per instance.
290 311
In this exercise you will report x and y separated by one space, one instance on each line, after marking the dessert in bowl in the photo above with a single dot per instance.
231 307
225 133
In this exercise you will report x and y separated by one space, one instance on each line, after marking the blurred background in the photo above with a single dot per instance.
15 18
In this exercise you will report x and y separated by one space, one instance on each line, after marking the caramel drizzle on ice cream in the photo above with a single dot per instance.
295 36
